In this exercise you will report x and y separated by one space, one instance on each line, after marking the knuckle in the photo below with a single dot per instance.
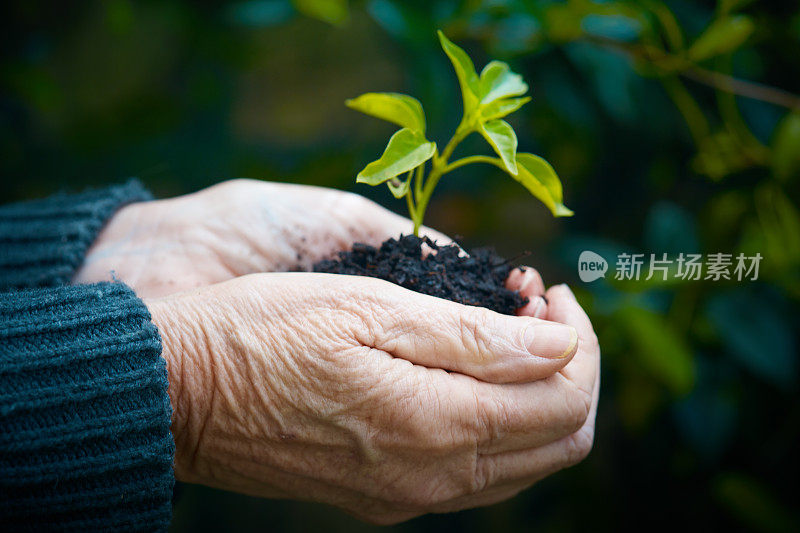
579 404
578 446
484 476
424 423
492 419
475 333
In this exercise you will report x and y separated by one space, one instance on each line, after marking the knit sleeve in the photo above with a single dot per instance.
85 439
43 242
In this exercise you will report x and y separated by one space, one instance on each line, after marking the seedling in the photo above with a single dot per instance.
487 98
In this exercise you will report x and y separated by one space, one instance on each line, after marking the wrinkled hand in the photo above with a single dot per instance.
235 228
336 389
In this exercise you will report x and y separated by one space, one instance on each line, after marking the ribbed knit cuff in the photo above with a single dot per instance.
85 439
43 242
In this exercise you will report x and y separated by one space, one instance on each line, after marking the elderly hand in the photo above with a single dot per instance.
235 228
361 394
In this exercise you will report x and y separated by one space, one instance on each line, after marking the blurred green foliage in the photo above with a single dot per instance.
675 126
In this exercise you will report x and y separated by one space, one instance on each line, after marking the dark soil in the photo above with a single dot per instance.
477 279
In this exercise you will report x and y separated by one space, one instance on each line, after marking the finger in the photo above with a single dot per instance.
471 340
526 278
521 416
528 466
513 469
529 284
564 308
535 414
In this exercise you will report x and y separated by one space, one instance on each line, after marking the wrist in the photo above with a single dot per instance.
180 348
118 233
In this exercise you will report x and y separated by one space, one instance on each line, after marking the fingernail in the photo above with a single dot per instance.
537 305
568 289
553 341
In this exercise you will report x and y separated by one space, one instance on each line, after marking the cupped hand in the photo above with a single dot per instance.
234 228
384 402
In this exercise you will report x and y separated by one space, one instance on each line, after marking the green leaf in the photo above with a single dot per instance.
501 108
401 109
786 148
660 350
498 81
465 71
406 150
722 36
501 136
398 186
536 175
333 12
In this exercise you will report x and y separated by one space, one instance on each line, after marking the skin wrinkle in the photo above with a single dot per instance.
184 403
492 432
576 386
541 416
201 336
331 414
257 248
587 433
458 463
311 396
415 396
234 451
538 417
262 394
176 388
364 440
276 416
559 383
288 475
211 388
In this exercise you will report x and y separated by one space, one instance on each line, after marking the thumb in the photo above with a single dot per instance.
471 340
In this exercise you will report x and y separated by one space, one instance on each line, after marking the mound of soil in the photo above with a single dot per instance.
477 279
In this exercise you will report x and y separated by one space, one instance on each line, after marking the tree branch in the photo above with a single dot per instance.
670 64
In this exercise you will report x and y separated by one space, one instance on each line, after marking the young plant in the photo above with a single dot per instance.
487 98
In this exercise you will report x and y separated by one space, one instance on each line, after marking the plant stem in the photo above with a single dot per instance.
473 159
424 187
418 178
412 211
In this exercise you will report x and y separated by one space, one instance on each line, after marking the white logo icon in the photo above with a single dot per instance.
591 266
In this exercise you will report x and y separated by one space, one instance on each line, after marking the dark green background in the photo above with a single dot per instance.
699 421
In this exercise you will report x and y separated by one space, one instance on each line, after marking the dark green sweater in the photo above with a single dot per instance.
84 411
